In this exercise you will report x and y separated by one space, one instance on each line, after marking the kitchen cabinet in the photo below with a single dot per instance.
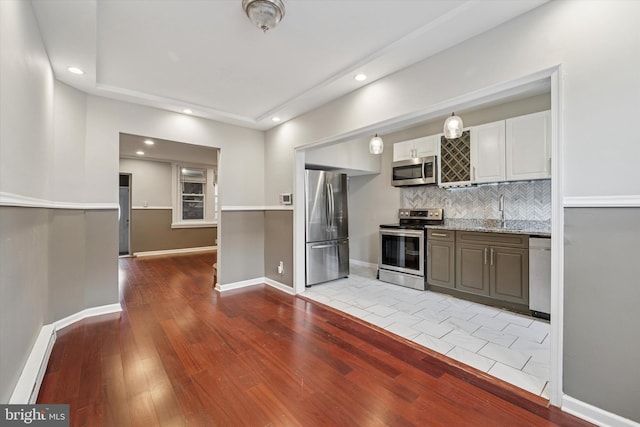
494 265
455 161
472 272
441 253
488 153
419 147
528 147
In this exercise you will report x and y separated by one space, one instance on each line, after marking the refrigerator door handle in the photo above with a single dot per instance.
327 208
332 206
325 246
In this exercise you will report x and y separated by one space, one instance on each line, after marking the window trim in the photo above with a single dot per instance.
210 212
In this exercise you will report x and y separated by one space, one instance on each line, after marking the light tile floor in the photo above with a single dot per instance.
512 347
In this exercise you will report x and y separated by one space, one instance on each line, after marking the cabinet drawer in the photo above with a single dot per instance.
494 239
437 234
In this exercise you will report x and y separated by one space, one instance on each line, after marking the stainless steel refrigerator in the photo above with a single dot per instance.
327 231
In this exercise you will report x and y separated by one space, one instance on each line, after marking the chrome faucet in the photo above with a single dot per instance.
501 209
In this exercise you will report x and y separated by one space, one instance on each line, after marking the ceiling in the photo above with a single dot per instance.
166 151
205 55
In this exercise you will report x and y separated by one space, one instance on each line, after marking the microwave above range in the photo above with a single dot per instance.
416 171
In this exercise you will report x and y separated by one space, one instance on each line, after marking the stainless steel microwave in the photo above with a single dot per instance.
417 171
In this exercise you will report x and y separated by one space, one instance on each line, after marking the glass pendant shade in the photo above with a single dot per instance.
265 14
453 127
376 145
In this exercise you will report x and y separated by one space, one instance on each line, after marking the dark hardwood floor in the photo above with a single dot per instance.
183 354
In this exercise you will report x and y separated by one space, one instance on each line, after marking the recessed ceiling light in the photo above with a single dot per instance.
75 70
187 111
275 119
149 142
360 77
140 153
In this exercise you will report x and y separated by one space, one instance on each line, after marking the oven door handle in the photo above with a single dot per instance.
402 232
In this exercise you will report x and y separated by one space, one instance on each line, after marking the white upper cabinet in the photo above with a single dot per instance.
528 143
488 152
419 147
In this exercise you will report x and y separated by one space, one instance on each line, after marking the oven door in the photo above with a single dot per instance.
402 250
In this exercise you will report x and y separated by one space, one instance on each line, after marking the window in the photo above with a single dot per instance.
195 198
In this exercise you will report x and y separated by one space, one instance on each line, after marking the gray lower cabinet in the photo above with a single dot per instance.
494 265
441 261
509 274
472 270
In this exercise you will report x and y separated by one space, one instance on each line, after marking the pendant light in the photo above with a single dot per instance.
265 14
376 145
453 127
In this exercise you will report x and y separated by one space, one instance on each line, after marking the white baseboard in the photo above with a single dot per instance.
89 312
252 282
363 263
593 414
176 251
28 386
279 286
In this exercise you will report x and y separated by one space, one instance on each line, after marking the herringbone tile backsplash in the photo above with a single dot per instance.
530 200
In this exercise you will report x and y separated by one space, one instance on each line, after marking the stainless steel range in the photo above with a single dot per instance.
401 259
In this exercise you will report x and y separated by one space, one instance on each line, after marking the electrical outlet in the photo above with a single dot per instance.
281 268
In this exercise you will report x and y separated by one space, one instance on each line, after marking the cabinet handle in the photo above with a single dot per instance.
428 248
492 256
549 165
485 256
474 174
439 234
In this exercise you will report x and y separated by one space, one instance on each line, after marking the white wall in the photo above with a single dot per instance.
352 157
151 182
26 105
242 150
68 160
591 40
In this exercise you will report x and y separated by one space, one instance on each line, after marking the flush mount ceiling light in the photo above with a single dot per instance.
149 142
265 14
376 145
360 77
453 127
187 111
140 153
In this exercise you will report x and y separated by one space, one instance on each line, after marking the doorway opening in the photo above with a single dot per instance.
124 215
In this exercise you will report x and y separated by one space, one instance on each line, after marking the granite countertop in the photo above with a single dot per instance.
538 228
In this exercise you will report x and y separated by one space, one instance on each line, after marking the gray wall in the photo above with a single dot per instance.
82 268
151 231
278 245
24 289
243 250
602 292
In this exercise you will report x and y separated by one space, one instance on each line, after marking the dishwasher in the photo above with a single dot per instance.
540 277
